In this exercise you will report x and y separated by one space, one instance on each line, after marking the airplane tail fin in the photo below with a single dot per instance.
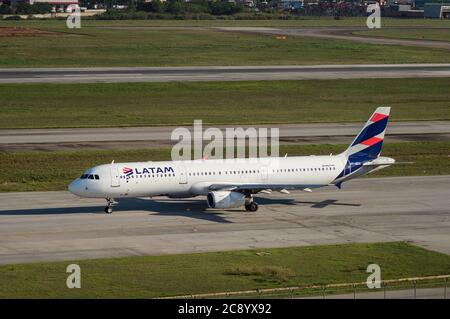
367 144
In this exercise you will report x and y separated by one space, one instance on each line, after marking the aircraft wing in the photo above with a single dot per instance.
256 188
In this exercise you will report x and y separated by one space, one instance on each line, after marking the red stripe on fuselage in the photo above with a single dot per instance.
371 141
377 117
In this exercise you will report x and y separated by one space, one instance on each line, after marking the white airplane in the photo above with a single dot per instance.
231 183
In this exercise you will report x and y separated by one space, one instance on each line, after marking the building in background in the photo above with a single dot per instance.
291 5
58 5
437 9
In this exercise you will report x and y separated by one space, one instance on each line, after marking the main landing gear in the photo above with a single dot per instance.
250 205
108 208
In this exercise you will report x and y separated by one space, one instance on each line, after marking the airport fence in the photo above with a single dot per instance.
411 288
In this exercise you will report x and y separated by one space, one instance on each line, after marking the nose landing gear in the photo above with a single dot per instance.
108 208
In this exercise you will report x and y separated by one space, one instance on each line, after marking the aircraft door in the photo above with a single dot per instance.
115 175
183 176
264 172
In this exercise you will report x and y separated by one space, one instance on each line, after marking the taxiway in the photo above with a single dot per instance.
220 73
50 226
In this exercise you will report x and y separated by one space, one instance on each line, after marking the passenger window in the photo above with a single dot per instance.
91 177
96 177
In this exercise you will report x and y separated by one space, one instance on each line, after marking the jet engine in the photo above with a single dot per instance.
225 199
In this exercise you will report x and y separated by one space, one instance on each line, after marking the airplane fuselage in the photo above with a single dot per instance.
192 178
229 183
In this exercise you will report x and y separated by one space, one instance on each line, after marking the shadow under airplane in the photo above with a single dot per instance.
169 207
286 201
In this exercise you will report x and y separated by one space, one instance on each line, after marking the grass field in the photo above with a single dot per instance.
303 22
410 34
250 102
54 170
154 276
93 46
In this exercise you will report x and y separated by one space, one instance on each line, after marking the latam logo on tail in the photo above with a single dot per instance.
147 170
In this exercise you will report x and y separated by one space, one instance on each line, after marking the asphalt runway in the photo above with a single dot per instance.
158 137
219 73
345 33
50 226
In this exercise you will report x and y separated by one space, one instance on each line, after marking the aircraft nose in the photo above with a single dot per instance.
75 187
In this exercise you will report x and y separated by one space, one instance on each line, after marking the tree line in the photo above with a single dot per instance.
25 8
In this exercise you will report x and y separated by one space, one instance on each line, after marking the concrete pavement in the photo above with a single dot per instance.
48 226
219 73
158 137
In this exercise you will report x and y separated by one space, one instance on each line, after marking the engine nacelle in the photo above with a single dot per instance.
225 199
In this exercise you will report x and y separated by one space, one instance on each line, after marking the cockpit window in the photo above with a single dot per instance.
90 176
